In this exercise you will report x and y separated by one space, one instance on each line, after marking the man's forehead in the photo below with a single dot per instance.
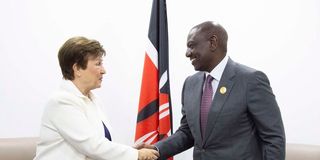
193 30
193 33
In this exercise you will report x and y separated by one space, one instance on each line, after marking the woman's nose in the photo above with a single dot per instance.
103 71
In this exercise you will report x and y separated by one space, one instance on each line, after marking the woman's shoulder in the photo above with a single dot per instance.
62 98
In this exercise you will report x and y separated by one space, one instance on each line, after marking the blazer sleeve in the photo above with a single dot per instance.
266 115
180 141
74 127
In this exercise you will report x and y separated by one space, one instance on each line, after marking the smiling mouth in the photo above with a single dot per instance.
192 60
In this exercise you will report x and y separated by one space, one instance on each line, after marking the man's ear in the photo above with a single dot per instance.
214 42
76 70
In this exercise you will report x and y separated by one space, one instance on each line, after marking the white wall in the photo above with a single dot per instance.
279 37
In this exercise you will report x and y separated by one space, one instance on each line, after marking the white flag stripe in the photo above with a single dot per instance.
163 107
151 139
164 114
152 53
143 138
169 133
163 79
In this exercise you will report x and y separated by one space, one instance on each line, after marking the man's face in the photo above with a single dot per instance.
199 50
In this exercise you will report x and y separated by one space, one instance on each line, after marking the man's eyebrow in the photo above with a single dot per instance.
190 43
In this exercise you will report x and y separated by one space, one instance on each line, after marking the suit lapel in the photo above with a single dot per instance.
220 97
196 90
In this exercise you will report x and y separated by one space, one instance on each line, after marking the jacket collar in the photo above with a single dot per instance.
70 87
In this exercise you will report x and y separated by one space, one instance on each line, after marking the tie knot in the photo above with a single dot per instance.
209 78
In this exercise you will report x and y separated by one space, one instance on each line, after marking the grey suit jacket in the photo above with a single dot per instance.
244 123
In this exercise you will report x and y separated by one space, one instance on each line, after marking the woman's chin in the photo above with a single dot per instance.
98 85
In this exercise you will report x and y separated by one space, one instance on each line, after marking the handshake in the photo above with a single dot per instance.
146 151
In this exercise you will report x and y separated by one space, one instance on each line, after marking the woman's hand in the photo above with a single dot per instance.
147 154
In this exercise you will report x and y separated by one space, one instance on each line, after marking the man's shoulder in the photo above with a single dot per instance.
247 72
239 67
242 69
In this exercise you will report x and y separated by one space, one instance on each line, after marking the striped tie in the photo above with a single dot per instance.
206 101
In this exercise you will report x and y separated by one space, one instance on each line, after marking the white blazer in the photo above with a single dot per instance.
72 129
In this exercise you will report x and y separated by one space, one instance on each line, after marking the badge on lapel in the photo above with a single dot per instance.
223 90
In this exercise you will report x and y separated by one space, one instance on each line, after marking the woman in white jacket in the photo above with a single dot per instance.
73 126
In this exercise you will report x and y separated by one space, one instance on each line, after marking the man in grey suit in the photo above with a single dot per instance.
242 120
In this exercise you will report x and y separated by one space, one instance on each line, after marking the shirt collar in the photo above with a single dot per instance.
69 86
217 71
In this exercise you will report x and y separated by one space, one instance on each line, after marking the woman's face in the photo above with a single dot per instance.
91 77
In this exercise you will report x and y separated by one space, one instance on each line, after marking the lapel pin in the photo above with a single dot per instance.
223 90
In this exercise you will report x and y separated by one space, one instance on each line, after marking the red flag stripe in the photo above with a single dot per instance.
146 126
149 85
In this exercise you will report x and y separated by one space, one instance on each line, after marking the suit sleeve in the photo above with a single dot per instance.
181 140
266 116
71 123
